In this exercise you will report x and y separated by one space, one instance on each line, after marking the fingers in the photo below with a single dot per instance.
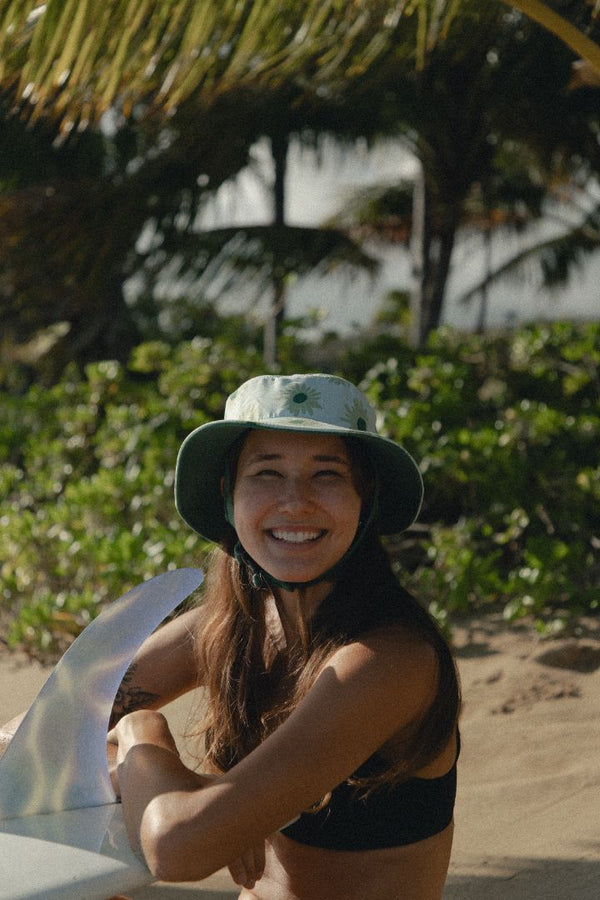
113 769
237 870
249 868
259 860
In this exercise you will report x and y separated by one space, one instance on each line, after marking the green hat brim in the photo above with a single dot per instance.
202 458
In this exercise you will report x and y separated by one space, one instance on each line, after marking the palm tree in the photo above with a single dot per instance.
485 107
77 58
575 28
69 225
70 222
202 75
575 211
74 59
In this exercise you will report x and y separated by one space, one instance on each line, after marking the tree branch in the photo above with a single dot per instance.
568 33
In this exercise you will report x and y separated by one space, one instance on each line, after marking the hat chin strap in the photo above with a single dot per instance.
260 578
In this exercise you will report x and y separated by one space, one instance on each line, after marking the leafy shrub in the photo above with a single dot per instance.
506 429
87 472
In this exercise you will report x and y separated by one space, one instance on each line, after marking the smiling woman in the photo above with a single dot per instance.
330 737
295 505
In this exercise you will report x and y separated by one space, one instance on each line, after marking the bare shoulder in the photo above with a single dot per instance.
389 668
393 651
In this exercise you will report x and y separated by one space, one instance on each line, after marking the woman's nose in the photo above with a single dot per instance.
295 493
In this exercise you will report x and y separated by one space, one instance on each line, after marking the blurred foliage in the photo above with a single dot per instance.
506 429
166 52
87 481
101 202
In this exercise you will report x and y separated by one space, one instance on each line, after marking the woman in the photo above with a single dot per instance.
331 732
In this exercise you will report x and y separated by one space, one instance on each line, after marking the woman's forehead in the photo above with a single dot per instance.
266 442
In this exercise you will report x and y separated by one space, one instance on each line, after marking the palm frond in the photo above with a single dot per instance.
66 52
271 249
556 257
568 32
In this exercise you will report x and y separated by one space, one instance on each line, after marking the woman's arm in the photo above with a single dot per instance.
367 692
163 668
150 728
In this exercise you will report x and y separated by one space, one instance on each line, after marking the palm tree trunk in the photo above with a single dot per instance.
276 314
419 241
485 291
440 255
431 254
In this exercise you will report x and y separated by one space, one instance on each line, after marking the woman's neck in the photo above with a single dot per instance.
298 606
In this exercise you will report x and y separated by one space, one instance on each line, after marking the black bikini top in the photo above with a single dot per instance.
408 812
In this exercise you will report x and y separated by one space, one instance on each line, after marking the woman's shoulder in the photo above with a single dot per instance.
399 659
393 637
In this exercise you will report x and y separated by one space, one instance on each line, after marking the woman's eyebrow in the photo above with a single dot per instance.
325 457
318 457
263 457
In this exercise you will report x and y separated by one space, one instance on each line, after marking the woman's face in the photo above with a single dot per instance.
296 507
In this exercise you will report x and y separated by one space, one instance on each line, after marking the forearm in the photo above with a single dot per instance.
162 670
149 772
152 783
186 825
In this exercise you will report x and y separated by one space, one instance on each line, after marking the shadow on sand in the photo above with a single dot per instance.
530 879
512 879
180 892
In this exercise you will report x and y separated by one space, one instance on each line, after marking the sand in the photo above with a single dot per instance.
528 810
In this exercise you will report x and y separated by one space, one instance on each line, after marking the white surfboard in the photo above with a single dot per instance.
61 832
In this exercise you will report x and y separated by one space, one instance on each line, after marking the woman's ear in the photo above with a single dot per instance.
227 495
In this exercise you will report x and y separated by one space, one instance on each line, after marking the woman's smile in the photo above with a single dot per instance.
296 537
296 506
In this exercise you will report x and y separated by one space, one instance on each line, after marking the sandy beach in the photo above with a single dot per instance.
528 811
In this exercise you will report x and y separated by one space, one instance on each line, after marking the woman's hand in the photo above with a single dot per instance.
145 726
111 759
249 868
151 727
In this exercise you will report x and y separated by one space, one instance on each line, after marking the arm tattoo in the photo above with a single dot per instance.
129 697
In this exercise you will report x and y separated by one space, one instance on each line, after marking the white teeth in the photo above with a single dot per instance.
296 537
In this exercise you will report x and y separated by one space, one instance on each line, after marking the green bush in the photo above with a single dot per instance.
506 429
87 475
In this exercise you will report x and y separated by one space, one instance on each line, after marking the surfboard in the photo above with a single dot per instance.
62 834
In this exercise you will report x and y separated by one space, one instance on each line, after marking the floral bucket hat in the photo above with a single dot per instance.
312 404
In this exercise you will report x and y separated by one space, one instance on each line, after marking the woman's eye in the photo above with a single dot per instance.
328 473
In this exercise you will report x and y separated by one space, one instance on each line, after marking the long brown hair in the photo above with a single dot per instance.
250 692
